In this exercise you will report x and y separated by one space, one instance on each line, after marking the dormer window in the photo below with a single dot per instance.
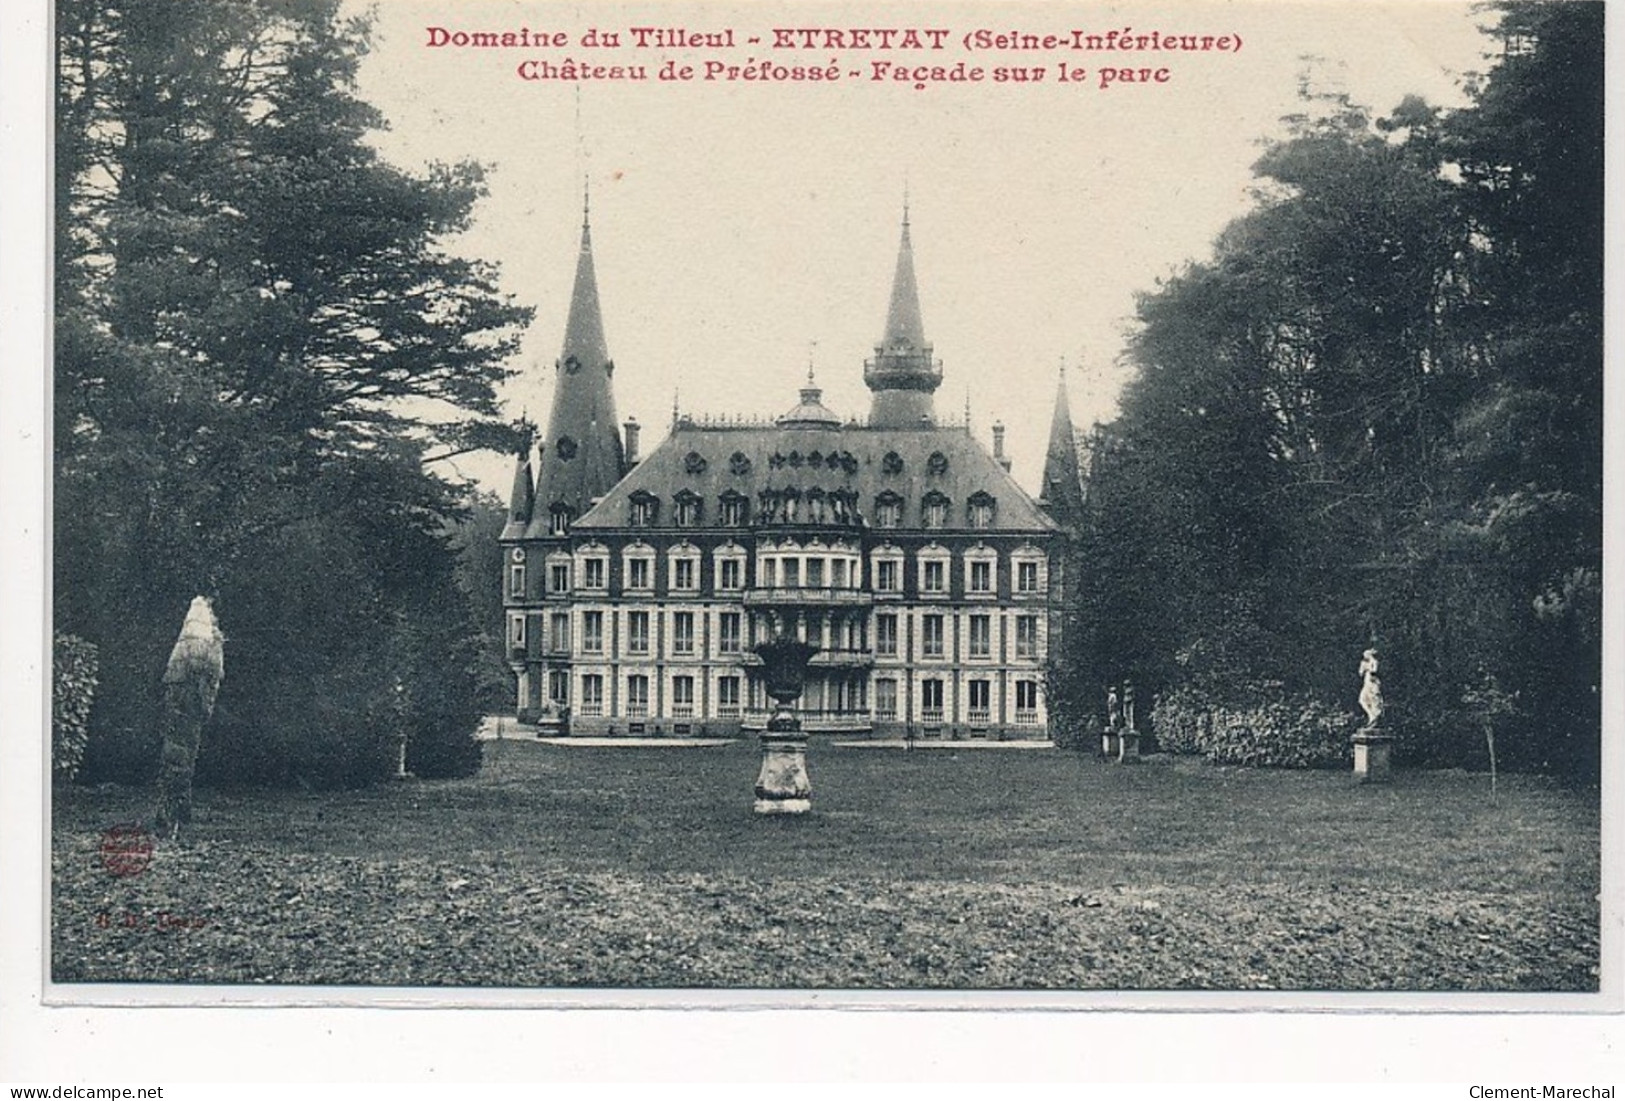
934 510
888 511
980 510
687 512
558 519
644 509
735 510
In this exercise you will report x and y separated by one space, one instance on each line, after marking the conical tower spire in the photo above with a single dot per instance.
903 375
1062 490
585 453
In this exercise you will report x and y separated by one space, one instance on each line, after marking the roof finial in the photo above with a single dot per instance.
675 393
586 201
812 348
967 408
905 198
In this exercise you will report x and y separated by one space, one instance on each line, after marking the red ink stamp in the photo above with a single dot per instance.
126 850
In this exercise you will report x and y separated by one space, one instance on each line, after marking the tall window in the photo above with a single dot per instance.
516 579
981 699
558 577
639 573
559 629
595 573
682 632
1026 636
728 633
728 697
558 520
730 574
886 635
934 511
637 695
931 700
1026 701
735 512
687 511
979 511
815 573
931 636
558 687
885 698
637 632
888 511
684 574
981 576
839 580
682 696
643 510
516 631
886 575
934 576
592 694
592 632
792 573
981 636
1026 577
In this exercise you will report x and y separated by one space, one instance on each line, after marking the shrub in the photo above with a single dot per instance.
73 687
1273 729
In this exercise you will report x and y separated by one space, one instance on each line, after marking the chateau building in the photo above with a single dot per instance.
929 580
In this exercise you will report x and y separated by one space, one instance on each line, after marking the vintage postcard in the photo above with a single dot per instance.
977 505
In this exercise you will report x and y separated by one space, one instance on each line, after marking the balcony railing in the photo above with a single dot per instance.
818 721
931 716
826 596
980 716
636 709
592 708
729 711
682 710
1026 716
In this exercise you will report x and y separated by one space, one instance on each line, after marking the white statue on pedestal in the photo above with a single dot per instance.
1371 690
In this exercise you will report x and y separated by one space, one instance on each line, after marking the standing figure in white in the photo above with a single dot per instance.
1371 690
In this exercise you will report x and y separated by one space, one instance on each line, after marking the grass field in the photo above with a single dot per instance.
566 867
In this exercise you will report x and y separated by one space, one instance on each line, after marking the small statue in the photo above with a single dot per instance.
1128 703
1371 690
191 681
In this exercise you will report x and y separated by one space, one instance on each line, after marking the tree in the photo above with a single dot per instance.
259 336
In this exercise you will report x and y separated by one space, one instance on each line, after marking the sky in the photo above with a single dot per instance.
744 230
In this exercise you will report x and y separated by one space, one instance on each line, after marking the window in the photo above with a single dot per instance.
886 575
730 574
735 514
592 694
558 687
1026 577
770 573
981 576
885 698
839 581
558 520
559 628
1026 702
888 511
682 632
516 630
979 511
687 512
931 636
684 575
981 696
728 633
638 573
981 636
558 577
595 573
1026 636
637 632
728 697
931 701
637 695
592 632
886 635
934 576
682 697
815 573
934 512
643 510
792 573
516 580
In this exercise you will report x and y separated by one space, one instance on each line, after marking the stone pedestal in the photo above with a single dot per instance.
782 787
1373 753
1129 747
1110 743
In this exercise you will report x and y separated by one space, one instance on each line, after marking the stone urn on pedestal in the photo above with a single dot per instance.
782 786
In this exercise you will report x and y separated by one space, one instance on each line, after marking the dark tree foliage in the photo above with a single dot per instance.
259 338
1374 419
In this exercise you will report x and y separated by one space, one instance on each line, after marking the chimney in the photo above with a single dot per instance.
998 446
631 427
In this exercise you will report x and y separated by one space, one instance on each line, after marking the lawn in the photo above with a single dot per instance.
567 866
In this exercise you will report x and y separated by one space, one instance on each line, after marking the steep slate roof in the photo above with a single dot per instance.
905 328
970 469
583 455
1062 487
